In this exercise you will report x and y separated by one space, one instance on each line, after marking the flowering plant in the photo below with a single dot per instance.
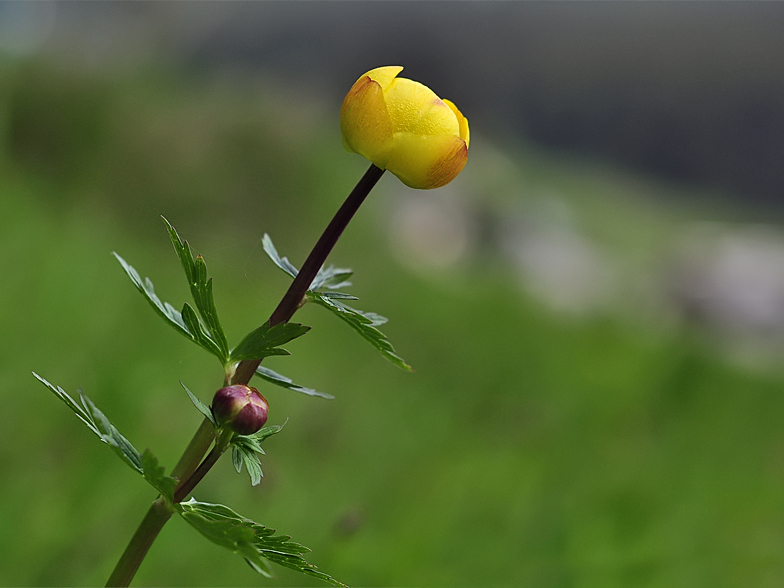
399 125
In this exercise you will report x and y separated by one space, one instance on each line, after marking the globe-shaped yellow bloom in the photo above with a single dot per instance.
402 126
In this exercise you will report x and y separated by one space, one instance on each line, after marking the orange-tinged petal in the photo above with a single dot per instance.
465 134
403 126
426 162
365 123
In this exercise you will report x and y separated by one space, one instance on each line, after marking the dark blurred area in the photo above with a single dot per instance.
690 91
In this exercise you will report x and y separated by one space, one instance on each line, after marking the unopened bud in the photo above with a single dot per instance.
240 408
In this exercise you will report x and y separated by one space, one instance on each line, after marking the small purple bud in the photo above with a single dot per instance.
241 408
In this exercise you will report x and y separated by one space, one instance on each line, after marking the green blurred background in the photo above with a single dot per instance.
594 308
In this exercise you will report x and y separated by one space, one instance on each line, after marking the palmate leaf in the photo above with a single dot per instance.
254 542
330 279
145 464
265 341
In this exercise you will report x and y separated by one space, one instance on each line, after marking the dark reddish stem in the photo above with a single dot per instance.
296 292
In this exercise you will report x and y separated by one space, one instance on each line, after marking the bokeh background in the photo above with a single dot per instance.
594 307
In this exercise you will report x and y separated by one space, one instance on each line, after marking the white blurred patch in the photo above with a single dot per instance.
731 277
556 262
431 230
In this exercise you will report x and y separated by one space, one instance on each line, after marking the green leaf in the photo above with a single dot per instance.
201 290
364 323
245 450
265 340
80 412
112 437
241 456
338 295
282 262
154 474
329 277
185 323
333 278
198 334
170 314
201 407
254 542
280 380
96 421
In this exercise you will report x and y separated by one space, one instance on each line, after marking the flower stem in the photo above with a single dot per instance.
296 292
194 452
140 543
189 470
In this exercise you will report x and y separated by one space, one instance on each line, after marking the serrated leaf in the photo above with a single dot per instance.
327 277
237 459
170 314
264 432
198 334
241 456
365 324
80 412
188 326
245 449
155 475
282 262
265 341
253 541
338 295
201 291
112 437
280 380
145 464
332 278
200 406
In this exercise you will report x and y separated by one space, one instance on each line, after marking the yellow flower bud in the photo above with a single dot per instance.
402 126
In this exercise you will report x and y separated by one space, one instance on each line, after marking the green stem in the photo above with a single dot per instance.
194 452
140 543
186 488
159 513
189 470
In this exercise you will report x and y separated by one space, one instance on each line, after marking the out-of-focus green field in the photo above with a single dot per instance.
527 449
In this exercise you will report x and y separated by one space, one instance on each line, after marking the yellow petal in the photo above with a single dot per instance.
384 75
426 162
365 122
415 108
465 134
